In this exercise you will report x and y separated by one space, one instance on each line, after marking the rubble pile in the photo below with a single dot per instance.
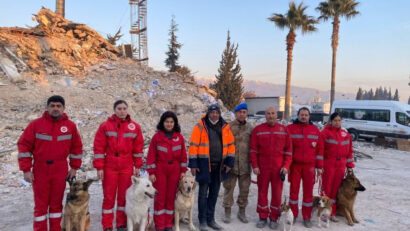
55 46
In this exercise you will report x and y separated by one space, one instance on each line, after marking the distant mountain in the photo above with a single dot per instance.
300 95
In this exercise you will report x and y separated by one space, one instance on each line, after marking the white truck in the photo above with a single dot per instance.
372 118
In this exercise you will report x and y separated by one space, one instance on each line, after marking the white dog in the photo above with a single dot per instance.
138 199
286 216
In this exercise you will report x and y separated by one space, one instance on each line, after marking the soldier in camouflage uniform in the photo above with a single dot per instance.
241 171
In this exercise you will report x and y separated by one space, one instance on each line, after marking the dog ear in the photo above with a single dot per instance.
87 184
194 186
135 180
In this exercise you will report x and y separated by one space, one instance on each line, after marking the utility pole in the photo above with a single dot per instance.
138 31
60 7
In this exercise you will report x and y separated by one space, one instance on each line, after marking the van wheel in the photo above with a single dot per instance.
368 139
354 134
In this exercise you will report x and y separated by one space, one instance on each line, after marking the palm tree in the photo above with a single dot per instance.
60 7
336 9
294 19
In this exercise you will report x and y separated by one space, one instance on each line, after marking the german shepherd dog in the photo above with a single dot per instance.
76 215
346 197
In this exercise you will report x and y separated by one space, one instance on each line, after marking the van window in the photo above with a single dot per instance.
379 115
402 119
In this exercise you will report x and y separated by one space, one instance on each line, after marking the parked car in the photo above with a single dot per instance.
372 118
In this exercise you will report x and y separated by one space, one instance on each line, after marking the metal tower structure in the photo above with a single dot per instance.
138 31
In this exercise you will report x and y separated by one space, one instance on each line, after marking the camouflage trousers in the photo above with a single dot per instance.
244 182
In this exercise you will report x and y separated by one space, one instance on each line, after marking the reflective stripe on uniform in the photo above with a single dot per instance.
175 148
76 156
99 156
297 136
55 215
350 160
121 209
319 157
230 155
64 137
159 212
40 218
151 166
24 154
262 133
43 137
203 156
107 211
111 134
345 142
132 135
160 148
183 165
262 207
136 155
199 126
307 204
313 137
330 141
170 212
227 145
293 202
274 207
280 133
288 153
193 144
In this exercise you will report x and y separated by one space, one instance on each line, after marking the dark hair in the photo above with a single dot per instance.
334 115
119 102
166 115
303 108
56 99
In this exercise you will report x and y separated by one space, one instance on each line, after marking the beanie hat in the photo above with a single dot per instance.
241 106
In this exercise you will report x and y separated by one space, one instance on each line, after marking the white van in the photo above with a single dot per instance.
371 118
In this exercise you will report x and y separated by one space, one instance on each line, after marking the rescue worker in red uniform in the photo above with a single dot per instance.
335 145
270 157
305 137
43 150
118 153
166 164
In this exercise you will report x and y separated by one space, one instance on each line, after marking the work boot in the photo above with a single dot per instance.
334 219
227 218
307 223
203 227
242 216
108 229
273 225
122 228
168 229
261 223
214 225
294 220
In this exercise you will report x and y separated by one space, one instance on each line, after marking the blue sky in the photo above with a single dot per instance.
374 48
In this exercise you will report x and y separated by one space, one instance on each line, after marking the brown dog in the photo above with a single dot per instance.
324 209
76 215
346 197
184 201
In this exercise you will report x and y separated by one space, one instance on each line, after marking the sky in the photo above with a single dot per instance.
374 47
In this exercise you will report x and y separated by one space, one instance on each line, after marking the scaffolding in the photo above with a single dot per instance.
138 31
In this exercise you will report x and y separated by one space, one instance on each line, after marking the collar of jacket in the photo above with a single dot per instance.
164 136
298 122
331 128
237 122
115 118
47 116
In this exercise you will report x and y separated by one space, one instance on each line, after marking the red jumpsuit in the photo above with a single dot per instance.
49 142
166 159
305 138
335 144
118 147
271 150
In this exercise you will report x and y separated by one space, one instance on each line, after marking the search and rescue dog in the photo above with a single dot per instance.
76 210
286 216
346 197
324 209
184 201
138 199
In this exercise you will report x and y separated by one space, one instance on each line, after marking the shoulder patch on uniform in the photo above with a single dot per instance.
131 126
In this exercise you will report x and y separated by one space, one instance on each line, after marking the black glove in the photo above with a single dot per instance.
282 176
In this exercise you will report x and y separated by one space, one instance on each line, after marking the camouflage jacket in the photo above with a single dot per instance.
242 134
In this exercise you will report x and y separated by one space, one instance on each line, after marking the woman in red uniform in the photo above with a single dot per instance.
335 145
166 163
118 153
